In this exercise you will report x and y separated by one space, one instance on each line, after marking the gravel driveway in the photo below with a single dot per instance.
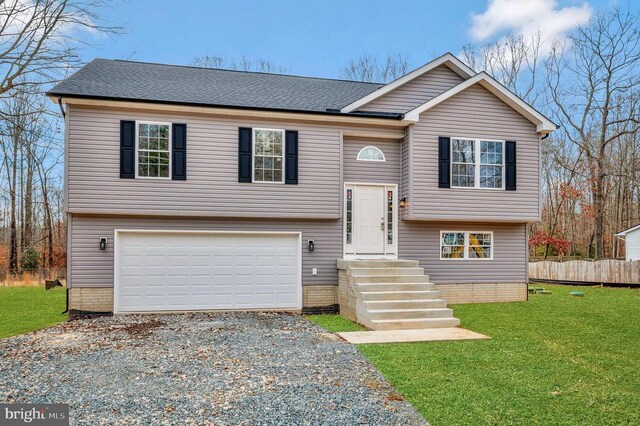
219 369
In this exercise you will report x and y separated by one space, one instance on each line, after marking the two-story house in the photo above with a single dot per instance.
206 189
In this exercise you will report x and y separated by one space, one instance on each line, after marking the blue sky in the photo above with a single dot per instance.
319 37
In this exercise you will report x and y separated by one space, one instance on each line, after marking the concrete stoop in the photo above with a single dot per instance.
394 295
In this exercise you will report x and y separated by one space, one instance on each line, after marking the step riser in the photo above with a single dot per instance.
400 325
412 314
396 295
390 279
386 271
405 304
400 295
373 287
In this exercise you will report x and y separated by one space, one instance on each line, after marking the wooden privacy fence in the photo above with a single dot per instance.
580 271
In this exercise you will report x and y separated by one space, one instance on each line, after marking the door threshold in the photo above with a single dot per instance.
370 256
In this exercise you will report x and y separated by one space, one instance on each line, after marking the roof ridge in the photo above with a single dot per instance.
242 71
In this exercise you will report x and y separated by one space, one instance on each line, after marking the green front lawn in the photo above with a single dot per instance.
556 359
335 323
24 309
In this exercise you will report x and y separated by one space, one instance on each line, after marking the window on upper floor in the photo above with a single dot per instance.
153 150
268 149
477 163
466 245
371 153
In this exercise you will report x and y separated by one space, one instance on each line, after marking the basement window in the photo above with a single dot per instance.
466 245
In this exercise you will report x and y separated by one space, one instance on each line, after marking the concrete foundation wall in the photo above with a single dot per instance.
100 299
483 292
94 299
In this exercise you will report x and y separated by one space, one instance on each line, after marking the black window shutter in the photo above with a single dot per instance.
179 152
244 154
127 149
291 157
510 165
444 162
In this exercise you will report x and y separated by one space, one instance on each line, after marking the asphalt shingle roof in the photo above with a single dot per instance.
140 81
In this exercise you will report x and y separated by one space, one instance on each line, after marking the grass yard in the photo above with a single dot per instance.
335 323
24 309
554 360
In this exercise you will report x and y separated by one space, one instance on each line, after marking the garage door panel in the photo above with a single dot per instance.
202 271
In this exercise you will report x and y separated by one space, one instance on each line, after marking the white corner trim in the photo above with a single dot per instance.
544 125
448 59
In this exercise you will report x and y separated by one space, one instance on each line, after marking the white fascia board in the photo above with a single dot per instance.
627 231
448 59
543 124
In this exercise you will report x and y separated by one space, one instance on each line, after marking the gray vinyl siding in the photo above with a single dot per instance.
90 267
474 113
371 171
415 92
212 188
421 241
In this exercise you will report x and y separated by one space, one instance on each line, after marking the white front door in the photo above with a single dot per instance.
370 219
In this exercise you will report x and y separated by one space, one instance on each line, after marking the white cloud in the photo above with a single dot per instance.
525 17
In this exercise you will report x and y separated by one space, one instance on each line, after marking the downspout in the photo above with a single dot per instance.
64 114
66 308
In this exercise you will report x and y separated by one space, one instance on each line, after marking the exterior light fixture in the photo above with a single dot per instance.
312 245
103 243
403 202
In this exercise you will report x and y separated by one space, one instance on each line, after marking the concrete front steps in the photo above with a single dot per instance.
396 294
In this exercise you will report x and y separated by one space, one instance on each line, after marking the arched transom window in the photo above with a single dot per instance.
370 153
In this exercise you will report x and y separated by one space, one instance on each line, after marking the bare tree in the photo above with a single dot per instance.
371 69
13 133
208 61
242 64
514 61
36 42
39 41
593 83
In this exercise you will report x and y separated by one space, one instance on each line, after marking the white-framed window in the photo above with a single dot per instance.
153 150
371 153
466 245
268 155
477 163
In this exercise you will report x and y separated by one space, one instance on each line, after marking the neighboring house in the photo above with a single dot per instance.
218 189
631 239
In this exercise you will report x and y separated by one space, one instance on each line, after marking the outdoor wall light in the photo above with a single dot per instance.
312 245
403 202
103 243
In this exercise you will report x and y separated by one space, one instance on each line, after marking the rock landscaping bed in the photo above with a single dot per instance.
212 369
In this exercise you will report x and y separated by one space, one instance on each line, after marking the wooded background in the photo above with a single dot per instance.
585 81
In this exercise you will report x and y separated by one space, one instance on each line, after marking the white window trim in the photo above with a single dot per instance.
476 163
466 245
369 159
253 155
157 123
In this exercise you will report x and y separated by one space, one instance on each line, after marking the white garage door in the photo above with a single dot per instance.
181 271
